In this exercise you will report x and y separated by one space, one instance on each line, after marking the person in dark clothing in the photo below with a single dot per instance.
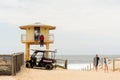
96 62
41 40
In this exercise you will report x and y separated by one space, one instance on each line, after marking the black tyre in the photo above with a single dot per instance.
48 66
28 65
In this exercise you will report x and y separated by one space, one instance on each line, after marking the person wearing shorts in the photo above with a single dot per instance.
105 64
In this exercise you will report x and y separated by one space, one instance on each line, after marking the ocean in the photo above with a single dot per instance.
80 62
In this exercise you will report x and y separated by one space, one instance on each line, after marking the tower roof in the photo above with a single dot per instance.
37 25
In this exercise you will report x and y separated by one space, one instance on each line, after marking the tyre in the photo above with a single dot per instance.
28 65
48 66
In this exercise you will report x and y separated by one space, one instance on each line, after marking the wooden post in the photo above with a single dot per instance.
90 66
22 58
113 64
12 64
65 64
47 48
102 62
27 52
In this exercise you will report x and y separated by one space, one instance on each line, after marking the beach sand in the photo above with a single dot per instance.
62 74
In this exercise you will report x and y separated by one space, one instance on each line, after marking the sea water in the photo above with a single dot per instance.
80 62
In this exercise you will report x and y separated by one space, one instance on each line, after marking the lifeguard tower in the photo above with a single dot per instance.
30 37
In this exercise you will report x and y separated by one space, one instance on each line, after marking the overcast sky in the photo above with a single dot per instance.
82 26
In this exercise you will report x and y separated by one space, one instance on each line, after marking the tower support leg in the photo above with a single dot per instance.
47 48
27 52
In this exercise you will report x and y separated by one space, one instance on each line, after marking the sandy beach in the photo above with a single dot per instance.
62 74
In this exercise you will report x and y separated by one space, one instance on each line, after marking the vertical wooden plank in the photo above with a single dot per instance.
18 62
113 64
12 65
15 63
90 66
102 62
22 58
65 64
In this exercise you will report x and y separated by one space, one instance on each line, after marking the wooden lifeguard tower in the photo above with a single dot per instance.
29 38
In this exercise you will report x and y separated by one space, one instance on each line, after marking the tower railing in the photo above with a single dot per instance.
24 39
51 37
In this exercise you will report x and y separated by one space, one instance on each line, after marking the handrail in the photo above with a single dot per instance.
51 37
24 39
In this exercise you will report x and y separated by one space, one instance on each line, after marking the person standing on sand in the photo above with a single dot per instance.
96 62
105 64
